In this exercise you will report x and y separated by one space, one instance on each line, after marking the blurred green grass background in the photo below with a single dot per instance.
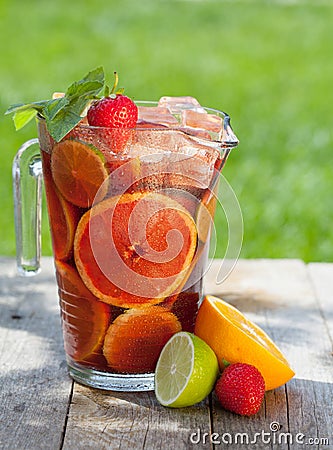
267 63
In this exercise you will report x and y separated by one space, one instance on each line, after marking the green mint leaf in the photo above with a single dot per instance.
90 84
78 89
62 114
106 91
22 106
52 107
24 113
22 117
94 75
16 107
63 124
65 119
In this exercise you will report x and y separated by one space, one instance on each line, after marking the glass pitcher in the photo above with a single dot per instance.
130 216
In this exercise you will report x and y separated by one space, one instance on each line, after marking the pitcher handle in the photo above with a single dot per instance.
27 186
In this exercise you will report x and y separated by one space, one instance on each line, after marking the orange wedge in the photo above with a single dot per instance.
234 339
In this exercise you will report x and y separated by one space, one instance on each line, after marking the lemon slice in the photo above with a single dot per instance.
186 371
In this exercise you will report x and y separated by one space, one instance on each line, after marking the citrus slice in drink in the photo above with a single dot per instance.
63 224
234 339
135 249
79 173
135 339
84 318
204 218
63 216
185 372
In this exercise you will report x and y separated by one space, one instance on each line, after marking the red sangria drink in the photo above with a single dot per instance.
130 210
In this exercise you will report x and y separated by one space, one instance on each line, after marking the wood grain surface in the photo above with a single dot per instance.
41 408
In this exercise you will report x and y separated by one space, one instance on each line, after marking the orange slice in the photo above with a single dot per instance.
63 220
63 216
135 339
85 319
135 249
78 171
234 338
204 218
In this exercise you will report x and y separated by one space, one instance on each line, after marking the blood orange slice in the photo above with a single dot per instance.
135 249
79 173
135 339
63 216
85 318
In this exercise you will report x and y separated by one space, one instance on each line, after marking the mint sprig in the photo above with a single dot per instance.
62 114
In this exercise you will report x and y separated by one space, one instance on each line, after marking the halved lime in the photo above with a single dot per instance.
186 371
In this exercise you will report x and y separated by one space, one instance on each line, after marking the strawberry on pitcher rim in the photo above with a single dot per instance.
116 111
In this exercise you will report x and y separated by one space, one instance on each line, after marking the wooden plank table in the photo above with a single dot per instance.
41 408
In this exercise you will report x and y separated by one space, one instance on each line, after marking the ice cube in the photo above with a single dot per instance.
155 115
182 160
194 160
197 132
195 119
177 104
144 124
